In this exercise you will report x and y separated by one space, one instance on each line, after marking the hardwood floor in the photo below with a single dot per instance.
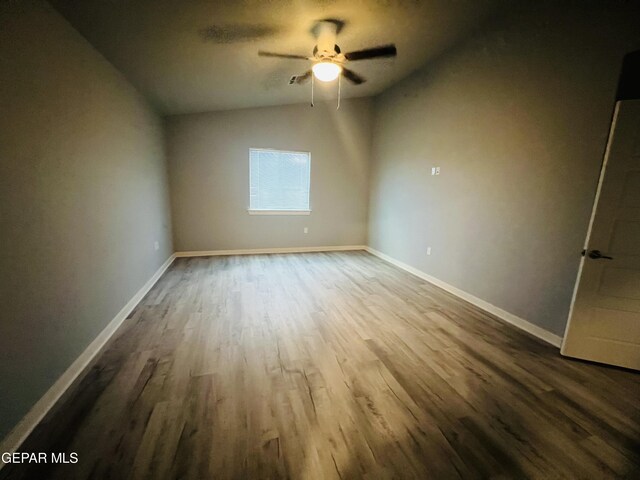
332 365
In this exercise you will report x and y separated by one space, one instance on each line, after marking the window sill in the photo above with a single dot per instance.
279 212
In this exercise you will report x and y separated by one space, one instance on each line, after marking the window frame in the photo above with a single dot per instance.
255 211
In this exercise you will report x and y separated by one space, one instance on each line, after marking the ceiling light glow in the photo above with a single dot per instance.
326 71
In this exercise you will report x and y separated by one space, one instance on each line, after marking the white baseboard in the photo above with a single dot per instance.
21 431
256 251
521 323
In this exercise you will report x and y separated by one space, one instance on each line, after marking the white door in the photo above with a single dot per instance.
604 323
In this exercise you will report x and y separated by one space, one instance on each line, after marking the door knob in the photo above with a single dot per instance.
597 255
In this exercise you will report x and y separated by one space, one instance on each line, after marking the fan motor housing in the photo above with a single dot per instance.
325 53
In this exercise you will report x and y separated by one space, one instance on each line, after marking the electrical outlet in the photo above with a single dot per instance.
435 170
428 250
306 229
156 246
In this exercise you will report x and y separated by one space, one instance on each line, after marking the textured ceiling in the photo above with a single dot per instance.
194 56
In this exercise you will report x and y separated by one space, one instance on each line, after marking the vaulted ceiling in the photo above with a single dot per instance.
197 55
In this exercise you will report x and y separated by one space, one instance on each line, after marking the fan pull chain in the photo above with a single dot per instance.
312 82
339 84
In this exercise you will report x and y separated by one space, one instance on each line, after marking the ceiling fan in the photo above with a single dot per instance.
328 60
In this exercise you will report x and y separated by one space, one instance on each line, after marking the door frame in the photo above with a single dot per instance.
596 200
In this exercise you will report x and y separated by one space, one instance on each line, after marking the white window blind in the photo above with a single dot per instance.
279 180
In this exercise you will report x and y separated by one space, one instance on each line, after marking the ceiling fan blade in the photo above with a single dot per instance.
304 77
300 79
375 52
352 76
281 55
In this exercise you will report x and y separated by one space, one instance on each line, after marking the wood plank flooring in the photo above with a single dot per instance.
337 366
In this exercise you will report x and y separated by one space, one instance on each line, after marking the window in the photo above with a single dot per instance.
279 182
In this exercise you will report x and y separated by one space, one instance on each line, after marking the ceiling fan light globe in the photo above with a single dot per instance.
326 71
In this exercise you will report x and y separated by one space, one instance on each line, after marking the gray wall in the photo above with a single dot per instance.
83 197
209 172
517 118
